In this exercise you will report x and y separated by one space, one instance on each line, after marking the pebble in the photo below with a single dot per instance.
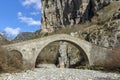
60 74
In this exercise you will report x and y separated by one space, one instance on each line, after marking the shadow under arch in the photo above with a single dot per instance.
68 41
16 57
16 51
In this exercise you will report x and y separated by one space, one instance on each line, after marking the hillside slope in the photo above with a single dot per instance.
3 40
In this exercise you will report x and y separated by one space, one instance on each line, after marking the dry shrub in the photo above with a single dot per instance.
10 62
15 60
48 55
3 60
113 59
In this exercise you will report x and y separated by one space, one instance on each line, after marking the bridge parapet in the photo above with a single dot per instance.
31 49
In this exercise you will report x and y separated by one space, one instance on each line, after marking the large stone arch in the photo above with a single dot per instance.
81 44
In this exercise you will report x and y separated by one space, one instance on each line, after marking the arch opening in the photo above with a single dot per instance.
15 59
50 54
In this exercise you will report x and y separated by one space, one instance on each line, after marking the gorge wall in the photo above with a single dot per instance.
61 13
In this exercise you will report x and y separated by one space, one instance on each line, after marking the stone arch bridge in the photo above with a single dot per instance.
30 49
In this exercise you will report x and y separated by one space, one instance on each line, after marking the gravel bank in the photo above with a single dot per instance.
61 74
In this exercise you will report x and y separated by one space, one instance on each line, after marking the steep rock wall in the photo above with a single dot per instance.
60 13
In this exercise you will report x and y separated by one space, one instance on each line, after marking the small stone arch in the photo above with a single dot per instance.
16 51
16 57
69 40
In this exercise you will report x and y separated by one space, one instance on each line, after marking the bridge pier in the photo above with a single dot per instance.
29 58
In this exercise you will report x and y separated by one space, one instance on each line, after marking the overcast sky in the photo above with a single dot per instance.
19 16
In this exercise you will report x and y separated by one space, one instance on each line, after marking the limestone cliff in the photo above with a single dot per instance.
61 13
107 30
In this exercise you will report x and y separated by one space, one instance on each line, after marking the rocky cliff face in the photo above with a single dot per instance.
106 34
60 13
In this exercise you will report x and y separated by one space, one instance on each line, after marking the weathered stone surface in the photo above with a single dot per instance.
100 55
31 49
59 13
106 34
63 58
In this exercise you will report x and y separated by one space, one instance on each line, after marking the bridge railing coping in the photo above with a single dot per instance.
41 39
